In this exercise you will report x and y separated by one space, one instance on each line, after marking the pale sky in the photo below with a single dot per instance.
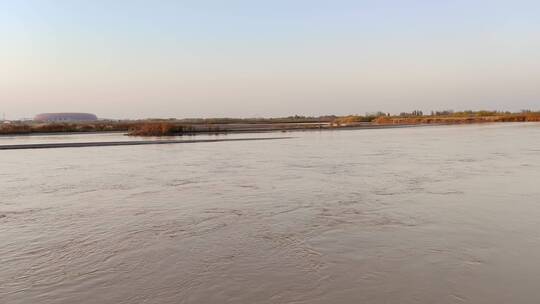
233 58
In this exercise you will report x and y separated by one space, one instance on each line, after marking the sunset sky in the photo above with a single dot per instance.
139 59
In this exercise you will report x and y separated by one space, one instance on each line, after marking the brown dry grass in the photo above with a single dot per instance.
159 129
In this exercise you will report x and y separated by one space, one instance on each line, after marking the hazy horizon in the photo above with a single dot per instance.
136 59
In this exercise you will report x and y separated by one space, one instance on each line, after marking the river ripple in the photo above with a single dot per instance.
421 215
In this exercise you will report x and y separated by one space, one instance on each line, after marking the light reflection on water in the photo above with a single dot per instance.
420 215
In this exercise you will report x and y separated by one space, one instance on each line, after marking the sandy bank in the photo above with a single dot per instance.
125 143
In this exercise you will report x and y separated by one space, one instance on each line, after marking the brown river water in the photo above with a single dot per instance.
447 214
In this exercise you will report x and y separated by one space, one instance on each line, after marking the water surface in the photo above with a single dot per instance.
420 215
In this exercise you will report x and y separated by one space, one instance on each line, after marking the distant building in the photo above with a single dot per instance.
65 117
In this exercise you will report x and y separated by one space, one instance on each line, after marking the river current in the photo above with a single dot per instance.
443 214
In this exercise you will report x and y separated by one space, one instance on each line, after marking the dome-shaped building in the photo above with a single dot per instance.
60 117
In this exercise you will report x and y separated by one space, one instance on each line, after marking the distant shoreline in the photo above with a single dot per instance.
185 141
174 127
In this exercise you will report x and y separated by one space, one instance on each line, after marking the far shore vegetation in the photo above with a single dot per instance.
169 127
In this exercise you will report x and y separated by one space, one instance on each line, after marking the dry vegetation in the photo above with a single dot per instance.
355 119
160 129
29 128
